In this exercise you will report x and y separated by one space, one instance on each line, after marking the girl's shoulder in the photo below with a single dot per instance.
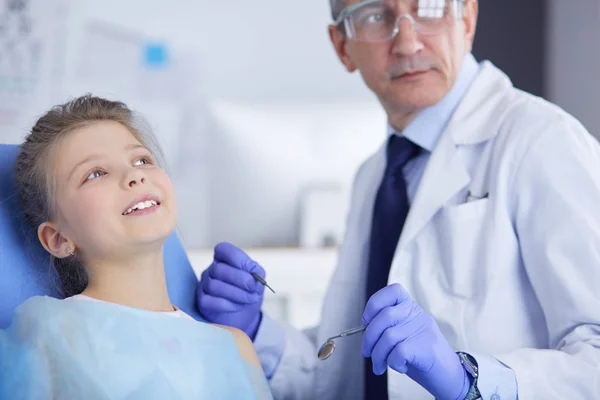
244 344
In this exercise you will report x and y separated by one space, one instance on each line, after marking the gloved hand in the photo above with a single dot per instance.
402 336
227 294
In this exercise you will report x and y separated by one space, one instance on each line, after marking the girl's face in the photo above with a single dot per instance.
113 201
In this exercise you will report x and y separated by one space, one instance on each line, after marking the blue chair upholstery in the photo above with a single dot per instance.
25 266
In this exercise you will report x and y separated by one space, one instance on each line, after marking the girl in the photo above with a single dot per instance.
91 183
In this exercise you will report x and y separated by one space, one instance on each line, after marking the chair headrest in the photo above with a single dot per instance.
25 269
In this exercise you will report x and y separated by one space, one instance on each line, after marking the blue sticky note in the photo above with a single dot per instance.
155 55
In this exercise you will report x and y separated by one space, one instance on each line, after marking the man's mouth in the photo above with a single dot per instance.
142 205
411 74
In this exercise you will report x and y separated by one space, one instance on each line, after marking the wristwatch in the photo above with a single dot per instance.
470 365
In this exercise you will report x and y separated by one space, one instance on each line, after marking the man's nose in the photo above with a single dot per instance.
406 42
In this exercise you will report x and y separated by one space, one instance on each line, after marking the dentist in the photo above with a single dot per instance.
472 248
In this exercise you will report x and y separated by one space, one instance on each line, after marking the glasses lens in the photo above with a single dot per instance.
373 21
378 20
432 16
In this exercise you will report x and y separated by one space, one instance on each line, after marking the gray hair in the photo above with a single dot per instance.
34 176
336 7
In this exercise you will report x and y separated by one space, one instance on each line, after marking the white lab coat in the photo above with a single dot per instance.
514 275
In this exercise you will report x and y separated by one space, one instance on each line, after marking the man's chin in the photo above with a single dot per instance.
416 100
425 92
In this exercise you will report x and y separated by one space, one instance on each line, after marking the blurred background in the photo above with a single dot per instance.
262 127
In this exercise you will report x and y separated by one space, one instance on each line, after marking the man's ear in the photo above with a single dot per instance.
340 42
470 14
53 241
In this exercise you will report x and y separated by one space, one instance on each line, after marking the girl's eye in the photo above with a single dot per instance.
95 174
142 161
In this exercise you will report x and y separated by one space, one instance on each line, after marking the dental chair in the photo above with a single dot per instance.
25 266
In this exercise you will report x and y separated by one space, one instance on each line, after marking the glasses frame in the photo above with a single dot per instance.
349 31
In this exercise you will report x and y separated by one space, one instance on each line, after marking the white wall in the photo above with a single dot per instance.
259 51
574 59
265 51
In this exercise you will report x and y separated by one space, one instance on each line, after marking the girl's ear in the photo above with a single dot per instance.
53 241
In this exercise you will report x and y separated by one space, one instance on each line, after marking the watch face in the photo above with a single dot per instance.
469 363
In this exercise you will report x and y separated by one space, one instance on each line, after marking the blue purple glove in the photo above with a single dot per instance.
227 292
402 336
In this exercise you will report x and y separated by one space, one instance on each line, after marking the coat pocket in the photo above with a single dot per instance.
463 238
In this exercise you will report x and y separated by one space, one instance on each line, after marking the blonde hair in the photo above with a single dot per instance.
34 171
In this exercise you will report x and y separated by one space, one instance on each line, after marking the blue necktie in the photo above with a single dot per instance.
389 214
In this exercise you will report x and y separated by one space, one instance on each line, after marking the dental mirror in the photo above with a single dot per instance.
328 347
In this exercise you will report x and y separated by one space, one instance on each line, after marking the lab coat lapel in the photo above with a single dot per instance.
345 299
444 176
365 197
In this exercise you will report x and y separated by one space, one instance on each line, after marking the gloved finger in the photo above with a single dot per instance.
208 303
202 281
218 288
236 277
398 358
399 314
231 254
236 257
227 273
390 338
388 296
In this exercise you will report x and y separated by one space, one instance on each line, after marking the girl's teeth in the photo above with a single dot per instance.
141 205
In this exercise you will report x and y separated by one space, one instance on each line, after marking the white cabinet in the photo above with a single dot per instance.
299 277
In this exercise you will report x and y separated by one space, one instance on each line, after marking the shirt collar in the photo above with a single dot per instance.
427 126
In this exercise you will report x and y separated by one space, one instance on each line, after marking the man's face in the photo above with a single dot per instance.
412 70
